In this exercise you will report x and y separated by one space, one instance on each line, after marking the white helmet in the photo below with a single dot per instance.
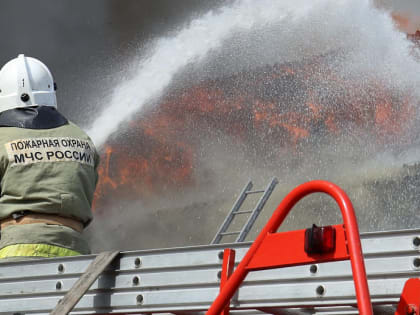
24 82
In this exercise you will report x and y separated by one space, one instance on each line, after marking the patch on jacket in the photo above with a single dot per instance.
39 150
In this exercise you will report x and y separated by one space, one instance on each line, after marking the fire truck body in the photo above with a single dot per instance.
317 271
177 280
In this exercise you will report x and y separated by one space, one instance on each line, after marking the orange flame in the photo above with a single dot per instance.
160 153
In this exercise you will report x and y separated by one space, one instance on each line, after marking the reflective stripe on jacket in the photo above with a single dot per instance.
35 250
57 236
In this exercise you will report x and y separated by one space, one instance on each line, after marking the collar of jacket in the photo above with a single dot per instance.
35 117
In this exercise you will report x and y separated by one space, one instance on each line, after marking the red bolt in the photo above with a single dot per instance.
411 310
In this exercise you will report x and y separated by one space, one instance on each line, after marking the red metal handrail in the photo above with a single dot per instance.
352 232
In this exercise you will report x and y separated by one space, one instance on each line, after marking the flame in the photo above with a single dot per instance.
159 150
406 22
401 21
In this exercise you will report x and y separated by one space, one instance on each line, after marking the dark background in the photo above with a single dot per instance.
85 42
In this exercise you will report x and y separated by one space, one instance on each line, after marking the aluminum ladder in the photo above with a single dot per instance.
242 234
187 280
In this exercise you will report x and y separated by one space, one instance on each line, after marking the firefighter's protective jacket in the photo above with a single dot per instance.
50 171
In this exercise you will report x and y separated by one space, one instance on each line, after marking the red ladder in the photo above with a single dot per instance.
275 250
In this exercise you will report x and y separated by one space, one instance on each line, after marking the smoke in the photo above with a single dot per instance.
189 45
357 43
343 29
91 51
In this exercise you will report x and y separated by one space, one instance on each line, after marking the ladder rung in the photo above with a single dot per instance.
241 212
230 233
253 214
254 192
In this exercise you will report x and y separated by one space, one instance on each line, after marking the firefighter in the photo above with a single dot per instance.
48 168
